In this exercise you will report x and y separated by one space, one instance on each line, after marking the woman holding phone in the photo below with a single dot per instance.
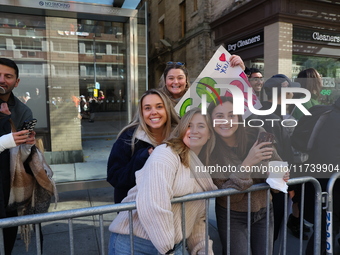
237 146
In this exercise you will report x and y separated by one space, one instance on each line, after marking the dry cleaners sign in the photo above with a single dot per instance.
246 42
316 36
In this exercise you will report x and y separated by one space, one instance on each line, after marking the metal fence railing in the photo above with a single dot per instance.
329 213
70 215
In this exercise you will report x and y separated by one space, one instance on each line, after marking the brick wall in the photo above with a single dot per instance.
278 49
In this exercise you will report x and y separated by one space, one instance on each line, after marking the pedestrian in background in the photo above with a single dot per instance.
323 150
93 107
101 100
169 172
154 120
256 80
19 112
84 107
309 79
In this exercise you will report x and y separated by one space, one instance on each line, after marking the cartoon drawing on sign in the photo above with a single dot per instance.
217 79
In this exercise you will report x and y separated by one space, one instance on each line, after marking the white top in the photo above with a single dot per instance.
7 142
162 178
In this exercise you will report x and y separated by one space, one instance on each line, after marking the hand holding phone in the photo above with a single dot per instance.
265 137
29 124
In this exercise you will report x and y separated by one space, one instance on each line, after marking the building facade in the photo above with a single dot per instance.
179 31
69 51
285 36
280 36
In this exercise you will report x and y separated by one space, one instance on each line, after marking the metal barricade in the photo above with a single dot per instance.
329 213
101 210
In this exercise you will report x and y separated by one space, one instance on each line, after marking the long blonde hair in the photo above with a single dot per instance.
139 123
176 139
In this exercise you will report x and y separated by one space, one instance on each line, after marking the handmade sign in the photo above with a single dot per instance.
217 79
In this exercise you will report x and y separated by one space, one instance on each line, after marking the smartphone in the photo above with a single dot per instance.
29 124
266 137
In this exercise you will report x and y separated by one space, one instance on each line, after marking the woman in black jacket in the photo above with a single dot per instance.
152 124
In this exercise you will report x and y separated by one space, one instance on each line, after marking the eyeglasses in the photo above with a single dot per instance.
257 79
176 63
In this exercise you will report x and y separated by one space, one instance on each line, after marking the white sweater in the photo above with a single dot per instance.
162 178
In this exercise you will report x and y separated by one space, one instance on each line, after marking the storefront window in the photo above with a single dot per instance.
329 69
22 39
257 63
61 59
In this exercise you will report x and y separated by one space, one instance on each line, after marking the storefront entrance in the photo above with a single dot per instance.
82 68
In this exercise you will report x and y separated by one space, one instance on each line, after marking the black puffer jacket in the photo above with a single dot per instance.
326 146
123 164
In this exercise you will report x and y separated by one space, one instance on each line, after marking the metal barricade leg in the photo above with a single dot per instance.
2 244
329 213
207 226
70 227
38 241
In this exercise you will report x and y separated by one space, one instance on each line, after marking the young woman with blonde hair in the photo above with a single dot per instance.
153 122
170 171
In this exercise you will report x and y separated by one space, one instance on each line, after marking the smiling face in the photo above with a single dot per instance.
256 81
197 133
226 131
8 81
154 113
176 82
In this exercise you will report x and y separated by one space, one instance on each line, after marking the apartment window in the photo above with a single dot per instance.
195 6
2 43
89 47
161 29
118 70
30 69
183 18
27 43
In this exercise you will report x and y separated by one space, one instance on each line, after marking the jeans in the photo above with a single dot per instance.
239 231
120 245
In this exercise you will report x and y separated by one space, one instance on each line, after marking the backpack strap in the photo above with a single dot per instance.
317 128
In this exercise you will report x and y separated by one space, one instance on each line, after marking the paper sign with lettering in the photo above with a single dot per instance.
214 81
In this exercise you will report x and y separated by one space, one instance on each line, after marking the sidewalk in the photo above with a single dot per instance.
98 139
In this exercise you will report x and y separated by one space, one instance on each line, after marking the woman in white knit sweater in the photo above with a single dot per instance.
169 172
